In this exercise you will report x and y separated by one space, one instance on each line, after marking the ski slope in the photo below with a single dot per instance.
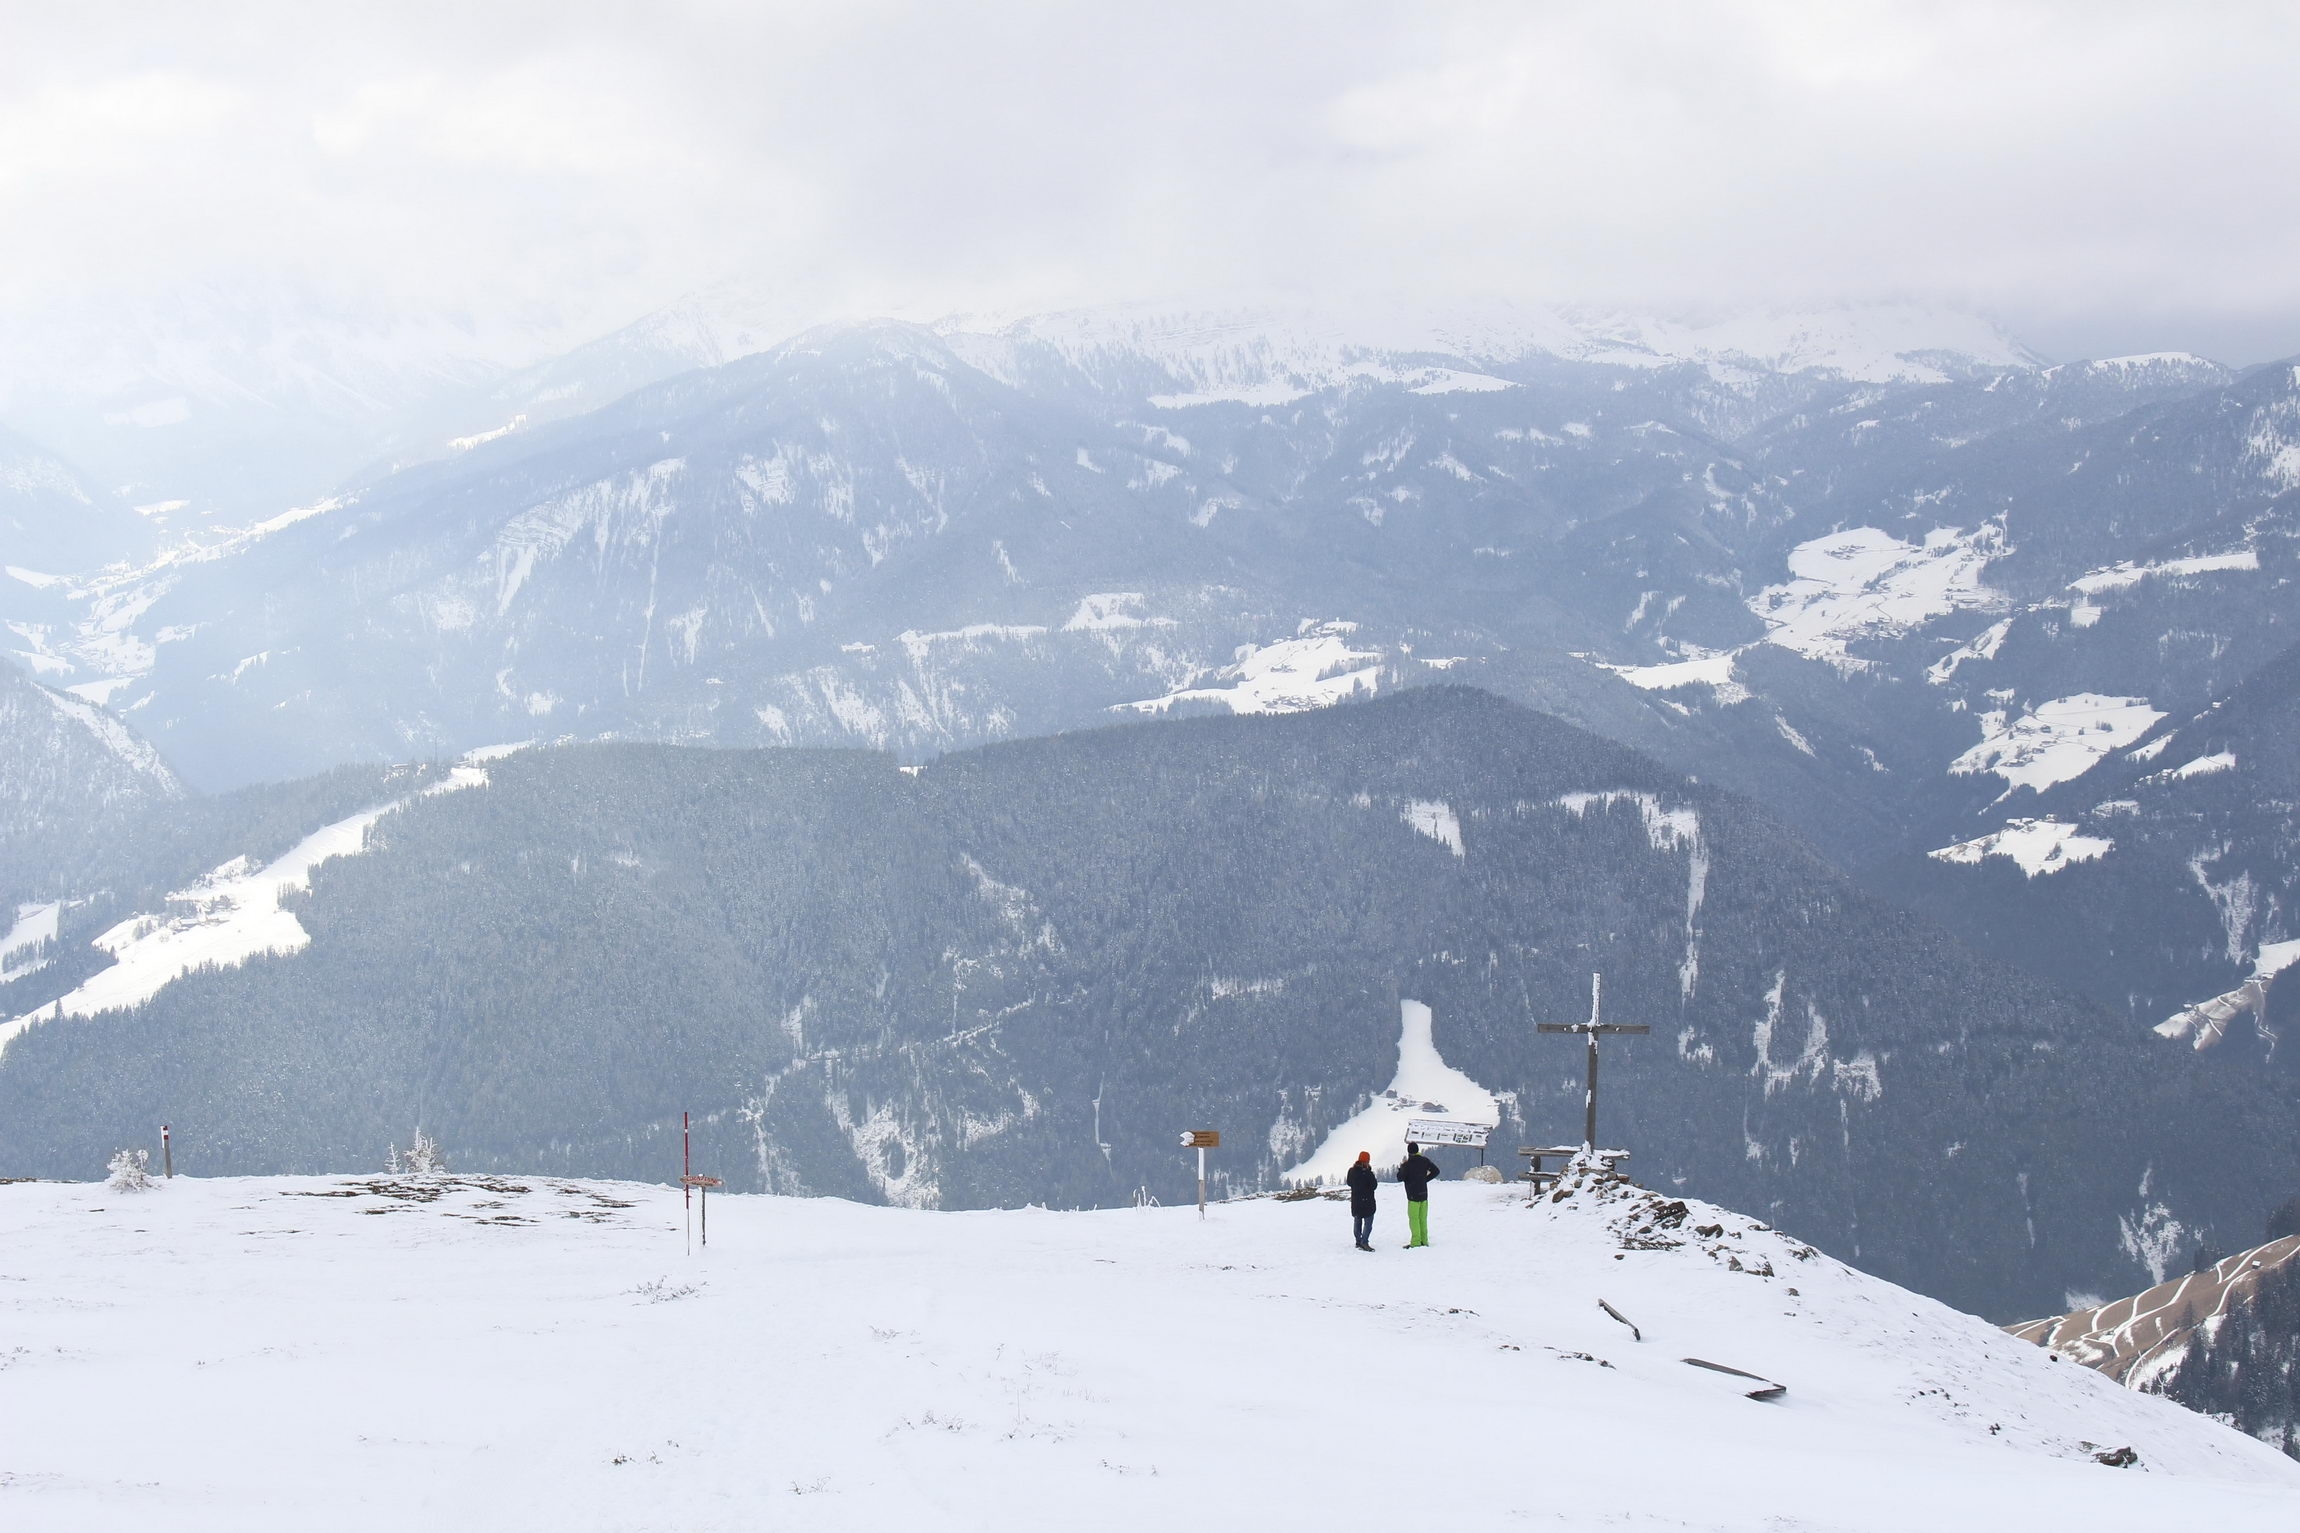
528 1354
1425 1086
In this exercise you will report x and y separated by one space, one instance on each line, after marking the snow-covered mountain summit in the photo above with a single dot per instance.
1272 352
524 1352
1259 349
238 399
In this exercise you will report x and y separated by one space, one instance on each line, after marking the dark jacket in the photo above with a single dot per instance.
1417 1172
1361 1180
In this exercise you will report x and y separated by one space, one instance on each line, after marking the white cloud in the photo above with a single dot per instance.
2104 177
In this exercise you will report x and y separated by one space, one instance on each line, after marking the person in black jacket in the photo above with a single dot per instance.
1416 1172
1361 1180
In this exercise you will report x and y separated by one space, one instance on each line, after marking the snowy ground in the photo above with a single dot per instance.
2039 846
1316 669
299 1353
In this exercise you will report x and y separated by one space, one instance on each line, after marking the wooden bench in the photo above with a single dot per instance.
1541 1178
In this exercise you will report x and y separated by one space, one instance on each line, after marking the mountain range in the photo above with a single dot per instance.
2003 648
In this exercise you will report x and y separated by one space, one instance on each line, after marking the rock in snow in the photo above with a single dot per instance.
531 1353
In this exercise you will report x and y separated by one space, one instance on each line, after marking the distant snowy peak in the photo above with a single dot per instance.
1271 353
171 357
706 329
53 521
1868 343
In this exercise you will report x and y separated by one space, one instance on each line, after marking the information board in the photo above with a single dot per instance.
1428 1131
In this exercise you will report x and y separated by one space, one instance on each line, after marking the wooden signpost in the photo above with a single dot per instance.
705 1183
1202 1140
1590 1030
689 1183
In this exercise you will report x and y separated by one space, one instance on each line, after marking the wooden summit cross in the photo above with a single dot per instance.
1591 1029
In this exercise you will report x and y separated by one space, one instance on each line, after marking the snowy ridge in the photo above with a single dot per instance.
1270 352
2139 1340
117 740
1022 1369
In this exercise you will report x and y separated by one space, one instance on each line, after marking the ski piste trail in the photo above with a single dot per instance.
513 1353
1425 1086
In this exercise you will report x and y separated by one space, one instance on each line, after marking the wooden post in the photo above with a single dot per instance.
687 1179
167 1154
1589 1098
691 1182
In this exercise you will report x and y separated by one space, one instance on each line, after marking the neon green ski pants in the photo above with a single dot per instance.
1418 1221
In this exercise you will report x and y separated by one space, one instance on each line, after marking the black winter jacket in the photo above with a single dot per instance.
1417 1172
1361 1180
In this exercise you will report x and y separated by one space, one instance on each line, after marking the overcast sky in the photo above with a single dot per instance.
2102 178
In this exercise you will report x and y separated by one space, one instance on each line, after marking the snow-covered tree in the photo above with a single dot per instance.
131 1171
423 1158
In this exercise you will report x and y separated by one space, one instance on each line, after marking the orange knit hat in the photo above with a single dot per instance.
1365 1155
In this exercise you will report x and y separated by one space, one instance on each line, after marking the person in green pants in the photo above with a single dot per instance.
1415 1173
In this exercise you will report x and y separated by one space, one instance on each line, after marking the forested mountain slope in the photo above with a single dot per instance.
1014 973
68 770
1825 560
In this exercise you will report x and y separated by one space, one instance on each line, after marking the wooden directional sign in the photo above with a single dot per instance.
700 1181
1202 1139
1440 1131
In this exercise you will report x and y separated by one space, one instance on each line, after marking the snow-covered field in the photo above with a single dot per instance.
1314 670
2039 846
338 1353
2056 740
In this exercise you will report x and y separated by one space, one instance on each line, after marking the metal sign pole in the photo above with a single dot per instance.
1201 1140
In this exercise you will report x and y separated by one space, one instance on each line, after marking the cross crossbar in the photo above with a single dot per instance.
1591 1030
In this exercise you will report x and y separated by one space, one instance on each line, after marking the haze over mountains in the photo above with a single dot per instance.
2001 639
